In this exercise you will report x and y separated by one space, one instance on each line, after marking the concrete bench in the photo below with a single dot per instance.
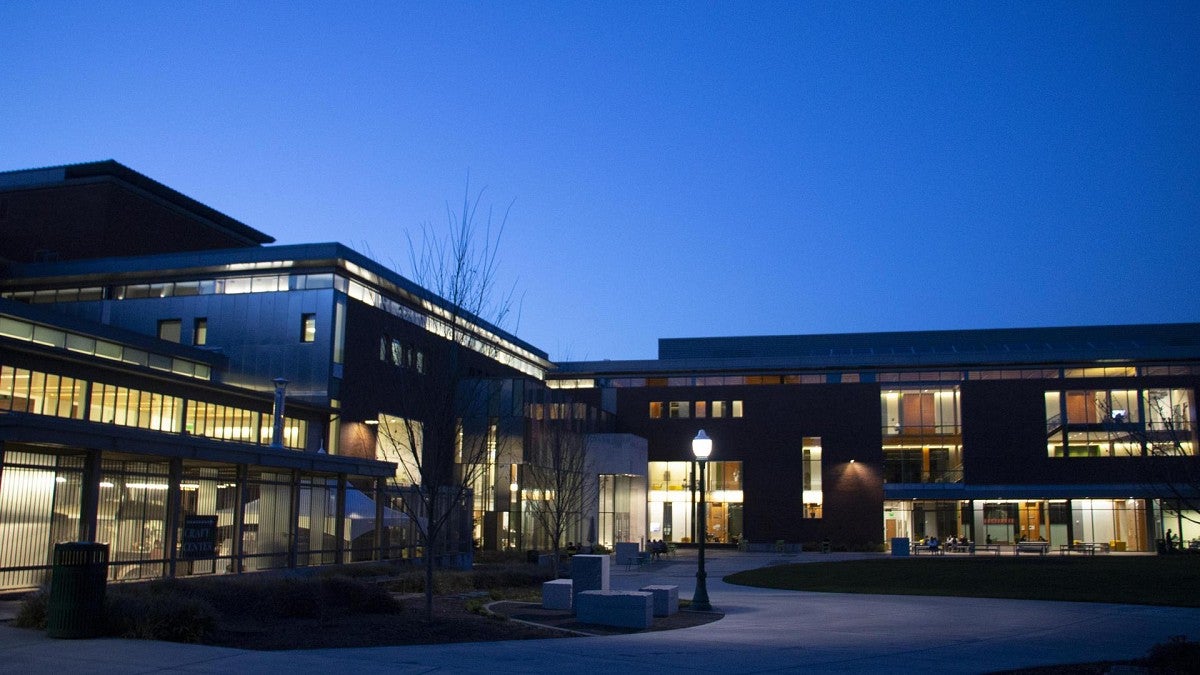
625 609
557 594
994 548
666 599
1039 547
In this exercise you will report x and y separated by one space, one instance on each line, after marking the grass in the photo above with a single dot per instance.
1139 580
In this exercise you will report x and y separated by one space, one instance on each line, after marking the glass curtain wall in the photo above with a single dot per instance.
622 511
672 501
132 517
39 506
922 435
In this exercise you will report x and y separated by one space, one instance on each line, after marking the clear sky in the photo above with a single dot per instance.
674 169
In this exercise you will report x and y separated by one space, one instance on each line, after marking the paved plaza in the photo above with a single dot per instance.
763 631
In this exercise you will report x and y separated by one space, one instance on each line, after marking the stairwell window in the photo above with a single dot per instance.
308 327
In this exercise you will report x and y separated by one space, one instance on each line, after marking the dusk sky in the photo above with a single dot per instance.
674 170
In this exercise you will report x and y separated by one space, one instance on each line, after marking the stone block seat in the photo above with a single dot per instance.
556 594
624 609
666 598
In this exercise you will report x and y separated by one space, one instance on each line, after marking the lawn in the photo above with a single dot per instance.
1141 580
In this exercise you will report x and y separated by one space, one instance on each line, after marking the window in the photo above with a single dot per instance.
308 327
737 408
718 408
200 332
170 330
656 410
810 480
701 409
1119 422
679 409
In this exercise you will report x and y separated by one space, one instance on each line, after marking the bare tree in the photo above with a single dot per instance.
558 481
1167 435
440 460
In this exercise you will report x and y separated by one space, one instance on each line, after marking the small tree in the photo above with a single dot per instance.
1167 434
439 462
559 484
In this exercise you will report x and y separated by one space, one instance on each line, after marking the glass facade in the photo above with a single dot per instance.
42 393
622 513
672 501
1120 422
266 518
1119 524
922 434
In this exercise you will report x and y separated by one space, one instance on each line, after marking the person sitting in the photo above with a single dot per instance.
932 543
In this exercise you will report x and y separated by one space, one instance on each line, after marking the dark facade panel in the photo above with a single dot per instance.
768 440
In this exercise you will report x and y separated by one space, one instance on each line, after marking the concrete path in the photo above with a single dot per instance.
764 631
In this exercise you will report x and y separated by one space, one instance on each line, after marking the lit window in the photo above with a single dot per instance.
170 330
308 327
656 410
701 409
718 408
200 332
810 480
737 409
679 409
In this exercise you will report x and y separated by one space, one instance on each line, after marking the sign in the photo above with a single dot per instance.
199 538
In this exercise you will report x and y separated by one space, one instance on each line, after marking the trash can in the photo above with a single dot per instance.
77 578
900 547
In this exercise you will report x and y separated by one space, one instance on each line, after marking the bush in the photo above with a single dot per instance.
32 613
349 595
1176 655
499 557
158 614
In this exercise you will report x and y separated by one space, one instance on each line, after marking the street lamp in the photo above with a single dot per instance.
701 449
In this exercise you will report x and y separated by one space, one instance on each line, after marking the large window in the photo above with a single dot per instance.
674 491
814 496
922 435
1120 422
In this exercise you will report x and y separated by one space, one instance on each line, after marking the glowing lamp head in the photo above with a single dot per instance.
702 446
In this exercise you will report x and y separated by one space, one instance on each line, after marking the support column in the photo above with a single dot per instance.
339 528
239 517
1071 522
174 503
378 539
294 522
89 498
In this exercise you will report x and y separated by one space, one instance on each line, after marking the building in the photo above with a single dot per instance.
149 340
98 249
1060 434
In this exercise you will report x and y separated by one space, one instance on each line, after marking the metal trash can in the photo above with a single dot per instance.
76 605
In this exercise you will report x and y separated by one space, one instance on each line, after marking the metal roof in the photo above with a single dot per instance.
953 349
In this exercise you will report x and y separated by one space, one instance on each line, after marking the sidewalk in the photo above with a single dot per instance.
764 630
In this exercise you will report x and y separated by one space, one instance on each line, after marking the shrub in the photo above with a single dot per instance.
158 614
1176 655
350 595
32 613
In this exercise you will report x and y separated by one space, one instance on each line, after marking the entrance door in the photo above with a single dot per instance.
1032 521
716 523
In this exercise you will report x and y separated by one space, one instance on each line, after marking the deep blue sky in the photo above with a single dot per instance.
675 170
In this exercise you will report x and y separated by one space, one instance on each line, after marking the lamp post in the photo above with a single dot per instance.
701 448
